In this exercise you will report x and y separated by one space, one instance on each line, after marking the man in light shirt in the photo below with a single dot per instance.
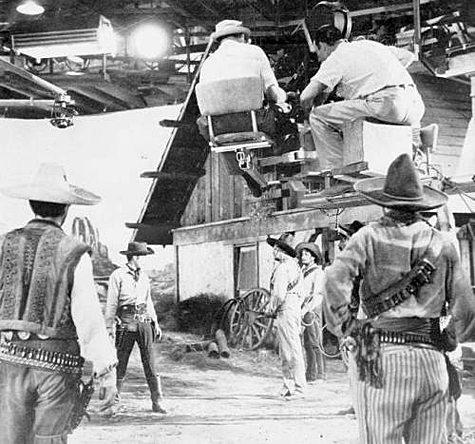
235 58
50 318
285 305
129 302
411 276
373 81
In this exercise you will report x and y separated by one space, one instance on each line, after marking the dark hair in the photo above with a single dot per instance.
47 209
328 34
129 257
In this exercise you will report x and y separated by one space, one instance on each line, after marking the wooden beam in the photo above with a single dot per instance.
157 226
33 103
38 81
385 9
162 176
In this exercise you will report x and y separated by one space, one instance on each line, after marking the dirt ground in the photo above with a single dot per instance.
233 400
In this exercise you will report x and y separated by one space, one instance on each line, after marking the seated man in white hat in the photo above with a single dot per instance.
236 58
50 318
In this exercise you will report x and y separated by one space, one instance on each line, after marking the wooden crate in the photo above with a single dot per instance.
375 143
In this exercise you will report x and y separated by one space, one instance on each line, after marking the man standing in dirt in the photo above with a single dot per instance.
411 275
311 260
129 302
285 305
50 318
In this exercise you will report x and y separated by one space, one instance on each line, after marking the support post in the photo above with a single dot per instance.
417 28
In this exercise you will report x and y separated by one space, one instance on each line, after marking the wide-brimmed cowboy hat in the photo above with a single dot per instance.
283 243
401 188
229 27
137 249
312 248
51 185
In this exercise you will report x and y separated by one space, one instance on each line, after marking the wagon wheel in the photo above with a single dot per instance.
248 324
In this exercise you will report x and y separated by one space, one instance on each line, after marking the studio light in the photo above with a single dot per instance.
30 7
150 41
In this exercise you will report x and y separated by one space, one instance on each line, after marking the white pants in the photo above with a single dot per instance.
399 105
290 351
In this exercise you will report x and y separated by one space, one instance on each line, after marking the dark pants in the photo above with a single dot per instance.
124 343
35 405
314 356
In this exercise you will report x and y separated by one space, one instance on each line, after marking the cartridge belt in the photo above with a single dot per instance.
136 312
40 357
393 337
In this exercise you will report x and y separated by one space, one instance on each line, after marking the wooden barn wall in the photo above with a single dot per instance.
447 104
217 195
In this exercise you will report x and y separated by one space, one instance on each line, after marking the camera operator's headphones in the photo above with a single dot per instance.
329 13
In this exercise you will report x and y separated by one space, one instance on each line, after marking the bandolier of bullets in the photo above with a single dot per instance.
41 358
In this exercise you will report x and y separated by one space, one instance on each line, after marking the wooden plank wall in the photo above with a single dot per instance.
447 104
217 195
220 196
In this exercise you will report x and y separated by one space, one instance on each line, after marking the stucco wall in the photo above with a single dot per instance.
206 267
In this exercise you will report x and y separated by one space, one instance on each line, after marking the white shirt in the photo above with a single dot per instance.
235 60
124 289
360 68
87 317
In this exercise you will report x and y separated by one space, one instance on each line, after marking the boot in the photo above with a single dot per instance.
120 383
156 394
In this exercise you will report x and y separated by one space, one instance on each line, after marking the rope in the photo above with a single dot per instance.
320 344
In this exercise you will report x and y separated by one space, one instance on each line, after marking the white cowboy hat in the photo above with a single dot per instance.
229 27
50 185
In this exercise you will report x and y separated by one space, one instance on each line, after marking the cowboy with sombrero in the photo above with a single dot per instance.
285 302
131 317
48 306
398 346
311 260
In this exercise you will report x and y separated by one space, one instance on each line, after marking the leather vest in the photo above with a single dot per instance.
37 264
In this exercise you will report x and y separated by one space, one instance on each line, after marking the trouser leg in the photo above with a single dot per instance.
326 123
411 401
319 356
17 401
428 421
395 105
145 341
124 343
57 396
290 349
309 345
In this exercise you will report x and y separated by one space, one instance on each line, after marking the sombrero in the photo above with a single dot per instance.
51 185
401 188
283 244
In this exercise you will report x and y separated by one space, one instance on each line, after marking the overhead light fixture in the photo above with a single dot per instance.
30 7
150 41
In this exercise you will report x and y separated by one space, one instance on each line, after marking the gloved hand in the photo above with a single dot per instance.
107 390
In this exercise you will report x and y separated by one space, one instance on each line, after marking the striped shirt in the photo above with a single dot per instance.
382 253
